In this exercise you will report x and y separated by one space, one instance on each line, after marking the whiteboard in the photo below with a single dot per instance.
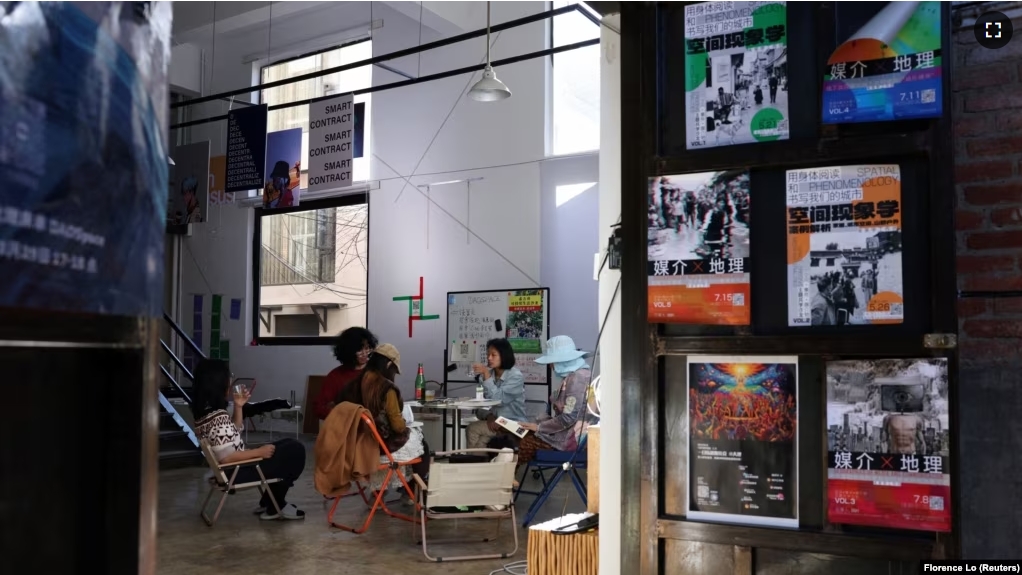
523 317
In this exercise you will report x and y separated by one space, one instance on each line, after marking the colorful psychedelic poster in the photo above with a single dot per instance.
698 253
189 184
282 188
889 68
743 440
844 246
888 442
84 156
736 73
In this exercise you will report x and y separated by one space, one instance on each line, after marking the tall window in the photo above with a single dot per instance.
336 83
310 277
575 83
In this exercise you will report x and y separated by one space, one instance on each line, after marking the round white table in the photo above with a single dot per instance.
455 406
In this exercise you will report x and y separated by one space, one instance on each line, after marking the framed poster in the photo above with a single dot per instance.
189 187
283 169
888 444
736 73
743 440
844 246
889 66
698 254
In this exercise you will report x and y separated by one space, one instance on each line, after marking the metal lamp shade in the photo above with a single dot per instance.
489 88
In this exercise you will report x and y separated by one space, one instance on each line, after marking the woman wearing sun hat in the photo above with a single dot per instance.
563 429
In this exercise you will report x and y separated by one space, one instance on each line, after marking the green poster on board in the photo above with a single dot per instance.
214 328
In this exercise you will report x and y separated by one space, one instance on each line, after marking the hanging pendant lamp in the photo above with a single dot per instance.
489 88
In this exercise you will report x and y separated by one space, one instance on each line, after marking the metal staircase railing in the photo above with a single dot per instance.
184 373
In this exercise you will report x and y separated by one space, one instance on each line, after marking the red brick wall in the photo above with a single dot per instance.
987 116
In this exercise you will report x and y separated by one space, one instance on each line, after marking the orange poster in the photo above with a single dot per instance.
698 255
844 246
218 181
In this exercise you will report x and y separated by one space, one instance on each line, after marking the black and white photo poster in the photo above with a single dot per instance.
246 148
743 440
331 139
736 73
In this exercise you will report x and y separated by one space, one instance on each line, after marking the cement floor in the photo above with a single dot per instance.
241 543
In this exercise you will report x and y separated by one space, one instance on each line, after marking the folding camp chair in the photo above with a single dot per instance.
561 461
392 468
226 485
454 485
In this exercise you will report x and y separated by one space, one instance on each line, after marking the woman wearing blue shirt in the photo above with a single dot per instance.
502 382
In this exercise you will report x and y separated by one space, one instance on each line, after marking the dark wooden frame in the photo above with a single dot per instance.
646 530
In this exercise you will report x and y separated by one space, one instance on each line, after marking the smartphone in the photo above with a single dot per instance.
496 324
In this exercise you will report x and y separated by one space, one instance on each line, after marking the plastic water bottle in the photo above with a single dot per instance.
479 392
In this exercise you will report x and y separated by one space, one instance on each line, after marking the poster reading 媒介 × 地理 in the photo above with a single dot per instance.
743 440
844 246
736 73
698 253
888 442
889 65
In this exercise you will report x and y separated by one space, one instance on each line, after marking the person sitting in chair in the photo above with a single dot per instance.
283 459
564 429
502 382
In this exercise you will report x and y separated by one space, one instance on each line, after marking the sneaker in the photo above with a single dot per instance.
289 511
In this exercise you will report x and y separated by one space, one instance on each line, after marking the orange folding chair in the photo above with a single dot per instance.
377 502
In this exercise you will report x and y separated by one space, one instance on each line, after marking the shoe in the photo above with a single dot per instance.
289 511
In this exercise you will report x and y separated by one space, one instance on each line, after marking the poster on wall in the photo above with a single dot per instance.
844 246
888 444
736 73
521 316
743 440
889 66
698 254
282 188
83 155
189 184
331 138
246 148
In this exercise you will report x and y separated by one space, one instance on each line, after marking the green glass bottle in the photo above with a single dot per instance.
420 384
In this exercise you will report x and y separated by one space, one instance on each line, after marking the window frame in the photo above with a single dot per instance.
263 67
551 87
256 275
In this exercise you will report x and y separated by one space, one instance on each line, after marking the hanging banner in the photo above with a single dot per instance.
282 188
888 440
189 184
83 155
736 73
218 181
743 448
844 246
698 254
246 148
331 139
890 68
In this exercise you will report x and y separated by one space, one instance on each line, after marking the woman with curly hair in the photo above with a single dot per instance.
352 348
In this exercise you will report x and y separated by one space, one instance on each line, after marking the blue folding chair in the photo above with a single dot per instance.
547 460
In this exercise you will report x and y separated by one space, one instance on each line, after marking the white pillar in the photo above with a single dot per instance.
610 342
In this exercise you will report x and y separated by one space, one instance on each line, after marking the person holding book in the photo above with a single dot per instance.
502 382
565 428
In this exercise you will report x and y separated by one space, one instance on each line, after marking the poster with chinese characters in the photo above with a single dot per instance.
520 316
889 68
698 253
844 246
743 440
84 155
736 73
888 444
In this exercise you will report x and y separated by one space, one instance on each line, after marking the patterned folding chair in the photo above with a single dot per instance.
393 468
226 485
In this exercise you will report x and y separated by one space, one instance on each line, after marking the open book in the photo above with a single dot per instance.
512 426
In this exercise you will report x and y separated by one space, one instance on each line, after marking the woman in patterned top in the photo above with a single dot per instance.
284 459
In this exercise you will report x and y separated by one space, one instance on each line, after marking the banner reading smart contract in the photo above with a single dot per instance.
331 135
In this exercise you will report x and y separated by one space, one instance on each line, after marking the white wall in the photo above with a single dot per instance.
569 242
409 235
610 345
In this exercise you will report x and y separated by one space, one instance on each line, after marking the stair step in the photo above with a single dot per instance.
171 434
181 458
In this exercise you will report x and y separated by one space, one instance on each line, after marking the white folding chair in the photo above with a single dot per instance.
226 485
453 485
